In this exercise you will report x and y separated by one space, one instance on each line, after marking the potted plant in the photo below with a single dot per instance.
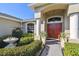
43 37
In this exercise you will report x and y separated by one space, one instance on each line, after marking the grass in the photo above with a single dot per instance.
71 49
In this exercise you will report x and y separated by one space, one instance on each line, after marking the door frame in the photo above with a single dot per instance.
54 22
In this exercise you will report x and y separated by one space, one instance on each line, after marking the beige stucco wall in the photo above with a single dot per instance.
66 23
73 8
6 26
58 12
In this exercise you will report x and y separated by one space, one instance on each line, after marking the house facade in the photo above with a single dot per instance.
55 18
8 23
51 18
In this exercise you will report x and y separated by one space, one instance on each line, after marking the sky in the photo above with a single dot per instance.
19 10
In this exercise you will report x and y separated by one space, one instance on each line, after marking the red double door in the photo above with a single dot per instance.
54 30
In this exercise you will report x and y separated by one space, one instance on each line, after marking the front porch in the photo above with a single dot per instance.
54 14
51 20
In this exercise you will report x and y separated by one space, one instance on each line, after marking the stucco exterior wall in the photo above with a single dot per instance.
66 23
58 12
6 26
73 8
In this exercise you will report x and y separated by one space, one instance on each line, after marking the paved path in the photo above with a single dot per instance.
10 46
52 48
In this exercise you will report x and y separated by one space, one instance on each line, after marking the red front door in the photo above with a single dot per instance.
54 30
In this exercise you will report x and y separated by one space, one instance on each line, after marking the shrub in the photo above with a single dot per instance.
71 49
17 33
28 35
25 40
26 50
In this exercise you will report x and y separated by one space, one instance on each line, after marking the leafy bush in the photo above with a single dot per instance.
26 50
71 49
28 35
17 33
25 40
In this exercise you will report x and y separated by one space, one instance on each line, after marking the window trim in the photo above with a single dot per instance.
30 29
55 21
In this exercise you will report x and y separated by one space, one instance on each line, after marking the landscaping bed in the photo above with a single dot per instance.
24 46
71 49
27 46
25 50
28 35
25 40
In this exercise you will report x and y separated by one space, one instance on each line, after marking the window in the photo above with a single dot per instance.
30 28
54 19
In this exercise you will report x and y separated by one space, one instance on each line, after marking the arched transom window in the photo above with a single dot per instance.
53 19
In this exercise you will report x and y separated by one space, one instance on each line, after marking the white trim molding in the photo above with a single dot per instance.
55 21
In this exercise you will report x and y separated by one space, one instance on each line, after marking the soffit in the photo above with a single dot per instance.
47 6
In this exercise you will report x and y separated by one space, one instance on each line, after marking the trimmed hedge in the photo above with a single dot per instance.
25 40
28 35
26 50
71 49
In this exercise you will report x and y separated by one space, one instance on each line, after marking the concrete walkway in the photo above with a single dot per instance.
10 46
52 48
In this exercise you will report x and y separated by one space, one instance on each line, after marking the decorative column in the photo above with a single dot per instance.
37 26
43 33
26 27
43 26
37 29
74 20
21 26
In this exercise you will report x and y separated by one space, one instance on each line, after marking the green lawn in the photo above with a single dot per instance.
71 49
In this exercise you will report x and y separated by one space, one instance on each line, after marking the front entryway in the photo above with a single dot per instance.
54 28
